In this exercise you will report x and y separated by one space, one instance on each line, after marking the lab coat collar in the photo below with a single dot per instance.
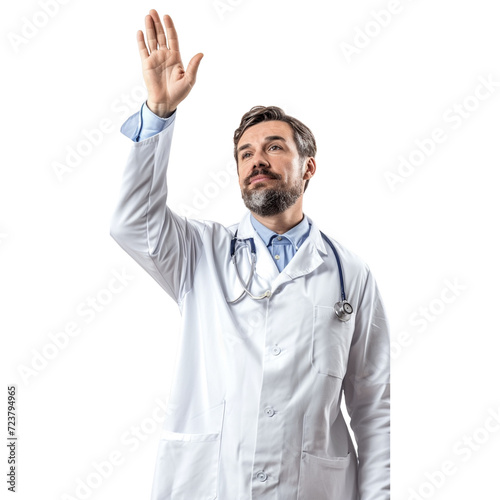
296 235
309 256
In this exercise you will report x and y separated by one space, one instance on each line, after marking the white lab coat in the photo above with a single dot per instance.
254 410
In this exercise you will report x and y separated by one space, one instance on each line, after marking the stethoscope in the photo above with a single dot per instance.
343 309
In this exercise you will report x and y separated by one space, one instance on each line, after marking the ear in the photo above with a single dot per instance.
309 168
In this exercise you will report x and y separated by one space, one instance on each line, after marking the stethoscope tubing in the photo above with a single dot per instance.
343 309
339 265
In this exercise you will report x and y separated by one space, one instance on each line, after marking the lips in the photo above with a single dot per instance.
259 178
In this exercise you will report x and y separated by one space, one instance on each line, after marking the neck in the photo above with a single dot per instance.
284 221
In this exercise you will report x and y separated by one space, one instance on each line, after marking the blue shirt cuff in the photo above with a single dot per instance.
144 124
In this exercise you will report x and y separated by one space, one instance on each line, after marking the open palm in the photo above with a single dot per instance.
167 82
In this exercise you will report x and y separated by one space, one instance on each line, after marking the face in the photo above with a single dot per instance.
271 173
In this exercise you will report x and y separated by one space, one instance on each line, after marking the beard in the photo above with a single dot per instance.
271 201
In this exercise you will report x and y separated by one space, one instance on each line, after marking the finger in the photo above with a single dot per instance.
143 50
192 69
173 41
162 40
151 33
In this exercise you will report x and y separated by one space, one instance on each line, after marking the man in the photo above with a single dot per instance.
265 354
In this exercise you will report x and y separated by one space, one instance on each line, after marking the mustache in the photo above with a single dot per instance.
271 175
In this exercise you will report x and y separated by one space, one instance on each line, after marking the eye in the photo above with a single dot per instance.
275 146
245 155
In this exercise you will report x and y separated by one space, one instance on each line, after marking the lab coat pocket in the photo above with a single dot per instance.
326 478
331 339
187 464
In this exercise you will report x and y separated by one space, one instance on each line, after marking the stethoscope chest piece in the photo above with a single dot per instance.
343 310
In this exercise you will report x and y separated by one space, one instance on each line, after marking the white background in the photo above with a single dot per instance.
440 223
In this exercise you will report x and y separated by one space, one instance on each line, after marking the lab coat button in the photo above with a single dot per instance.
276 350
261 476
270 411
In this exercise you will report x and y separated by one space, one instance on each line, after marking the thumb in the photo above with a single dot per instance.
193 66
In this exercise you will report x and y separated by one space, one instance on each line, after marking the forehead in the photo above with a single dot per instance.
257 133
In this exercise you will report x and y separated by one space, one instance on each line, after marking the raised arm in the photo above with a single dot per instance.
167 245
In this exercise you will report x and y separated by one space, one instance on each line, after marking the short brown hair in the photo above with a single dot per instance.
303 137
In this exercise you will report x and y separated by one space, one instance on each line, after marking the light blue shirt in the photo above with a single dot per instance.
144 124
282 247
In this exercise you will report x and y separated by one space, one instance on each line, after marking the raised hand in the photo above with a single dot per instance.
166 80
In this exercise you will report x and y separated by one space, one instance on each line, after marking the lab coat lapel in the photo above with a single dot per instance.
309 256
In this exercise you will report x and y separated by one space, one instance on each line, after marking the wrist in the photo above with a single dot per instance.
161 110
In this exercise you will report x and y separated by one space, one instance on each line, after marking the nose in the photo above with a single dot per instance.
259 161
260 166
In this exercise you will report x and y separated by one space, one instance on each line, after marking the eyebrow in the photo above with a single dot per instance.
267 139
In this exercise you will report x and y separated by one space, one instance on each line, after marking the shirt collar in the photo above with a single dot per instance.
296 235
